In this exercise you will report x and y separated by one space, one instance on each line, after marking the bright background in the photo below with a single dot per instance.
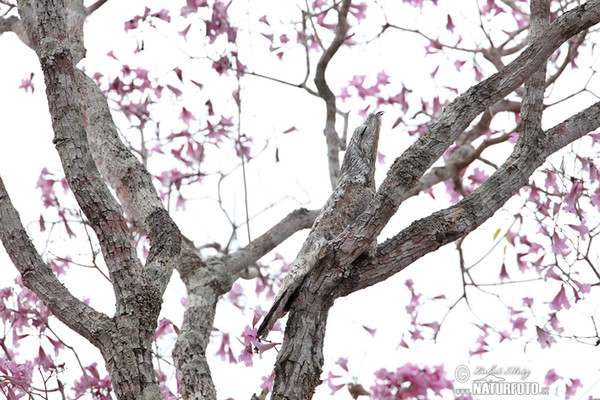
299 179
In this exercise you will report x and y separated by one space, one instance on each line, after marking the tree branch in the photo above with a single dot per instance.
408 168
6 24
38 277
429 234
128 177
47 33
292 223
204 284
346 265
95 6
126 346
331 136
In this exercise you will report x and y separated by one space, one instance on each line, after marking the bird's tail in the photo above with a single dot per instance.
277 311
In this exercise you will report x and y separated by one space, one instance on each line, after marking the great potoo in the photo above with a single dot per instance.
354 191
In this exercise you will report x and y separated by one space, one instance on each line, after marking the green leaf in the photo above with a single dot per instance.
497 233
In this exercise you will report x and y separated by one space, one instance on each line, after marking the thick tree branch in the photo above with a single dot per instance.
331 136
333 274
128 177
292 223
38 277
530 123
126 346
408 168
6 24
466 154
92 8
300 360
483 125
48 36
204 284
429 234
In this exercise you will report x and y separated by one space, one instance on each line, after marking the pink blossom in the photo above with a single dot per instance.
192 6
504 335
478 176
478 75
164 326
321 21
264 20
480 350
411 381
219 23
329 380
60 265
258 314
583 287
458 64
570 200
27 84
433 47
186 116
572 388
523 265
527 301
180 203
595 198
343 362
550 182
503 274
560 300
519 324
234 295
358 10
450 25
246 355
582 229
184 32
544 337
268 382
44 361
163 14
225 349
382 78
551 377
243 148
132 23
559 245
175 91
554 323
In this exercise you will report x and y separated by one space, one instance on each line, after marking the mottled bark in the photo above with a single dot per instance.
346 274
429 234
292 223
126 343
39 277
204 284
299 362
411 165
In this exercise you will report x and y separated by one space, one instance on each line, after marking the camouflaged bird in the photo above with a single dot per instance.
354 191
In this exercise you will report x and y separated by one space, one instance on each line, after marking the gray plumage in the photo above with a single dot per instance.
352 195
